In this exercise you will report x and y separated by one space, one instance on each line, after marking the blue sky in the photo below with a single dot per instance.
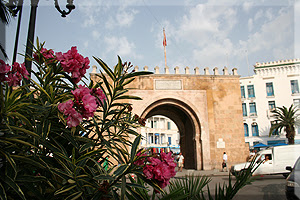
199 33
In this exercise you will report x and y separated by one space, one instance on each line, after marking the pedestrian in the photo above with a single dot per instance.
224 163
180 162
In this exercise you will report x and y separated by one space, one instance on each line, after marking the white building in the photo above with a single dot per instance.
160 132
275 84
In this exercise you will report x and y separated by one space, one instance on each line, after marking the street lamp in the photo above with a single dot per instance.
69 6
31 27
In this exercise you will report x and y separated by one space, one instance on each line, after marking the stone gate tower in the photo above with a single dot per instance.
206 109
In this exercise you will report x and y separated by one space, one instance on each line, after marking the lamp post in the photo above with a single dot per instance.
31 27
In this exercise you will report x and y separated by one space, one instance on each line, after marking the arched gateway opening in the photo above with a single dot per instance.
189 128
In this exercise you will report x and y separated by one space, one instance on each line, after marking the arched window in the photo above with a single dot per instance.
246 130
254 129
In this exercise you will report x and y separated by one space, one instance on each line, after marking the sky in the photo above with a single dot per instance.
210 33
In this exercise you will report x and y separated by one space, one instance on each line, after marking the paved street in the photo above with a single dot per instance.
269 187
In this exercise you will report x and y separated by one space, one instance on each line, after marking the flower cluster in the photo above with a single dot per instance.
14 76
83 106
159 168
73 62
44 55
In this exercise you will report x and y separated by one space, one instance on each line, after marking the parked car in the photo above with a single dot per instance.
292 188
272 160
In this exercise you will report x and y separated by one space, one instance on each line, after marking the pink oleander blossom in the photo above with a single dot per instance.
82 106
84 101
74 118
15 76
4 69
140 161
73 62
160 168
99 94
44 54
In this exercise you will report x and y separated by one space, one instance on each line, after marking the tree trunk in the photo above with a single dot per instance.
290 134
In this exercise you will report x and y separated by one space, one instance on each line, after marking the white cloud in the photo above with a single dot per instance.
247 6
204 23
89 21
250 24
123 18
96 34
258 15
207 56
272 35
120 46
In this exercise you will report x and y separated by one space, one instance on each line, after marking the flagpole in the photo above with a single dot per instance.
165 44
165 57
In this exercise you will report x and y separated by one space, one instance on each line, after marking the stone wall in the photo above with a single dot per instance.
210 104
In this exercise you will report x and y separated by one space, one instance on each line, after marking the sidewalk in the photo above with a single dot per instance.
214 172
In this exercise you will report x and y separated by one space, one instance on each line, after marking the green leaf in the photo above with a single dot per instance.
12 184
2 193
24 130
121 169
105 68
134 147
74 196
65 189
123 187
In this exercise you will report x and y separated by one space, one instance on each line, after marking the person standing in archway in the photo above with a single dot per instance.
180 162
224 163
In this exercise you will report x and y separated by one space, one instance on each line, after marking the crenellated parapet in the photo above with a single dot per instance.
187 71
291 66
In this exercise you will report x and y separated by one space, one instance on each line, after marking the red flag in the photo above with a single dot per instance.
165 39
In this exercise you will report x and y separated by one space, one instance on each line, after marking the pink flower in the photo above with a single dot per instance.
73 62
99 95
16 74
74 118
84 101
83 106
44 54
66 107
4 69
147 170
140 161
161 169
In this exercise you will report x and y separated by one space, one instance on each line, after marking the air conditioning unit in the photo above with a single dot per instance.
253 115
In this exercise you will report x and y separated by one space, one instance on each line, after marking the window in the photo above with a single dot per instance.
271 105
169 125
169 140
150 138
252 109
294 86
243 92
246 130
244 109
254 129
251 93
296 103
155 124
156 138
162 138
270 90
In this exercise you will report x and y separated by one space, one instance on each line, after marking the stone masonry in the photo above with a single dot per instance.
206 108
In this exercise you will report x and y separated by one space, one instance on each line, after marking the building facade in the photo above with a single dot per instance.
274 84
160 132
206 109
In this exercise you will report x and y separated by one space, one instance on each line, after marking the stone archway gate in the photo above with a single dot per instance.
206 108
